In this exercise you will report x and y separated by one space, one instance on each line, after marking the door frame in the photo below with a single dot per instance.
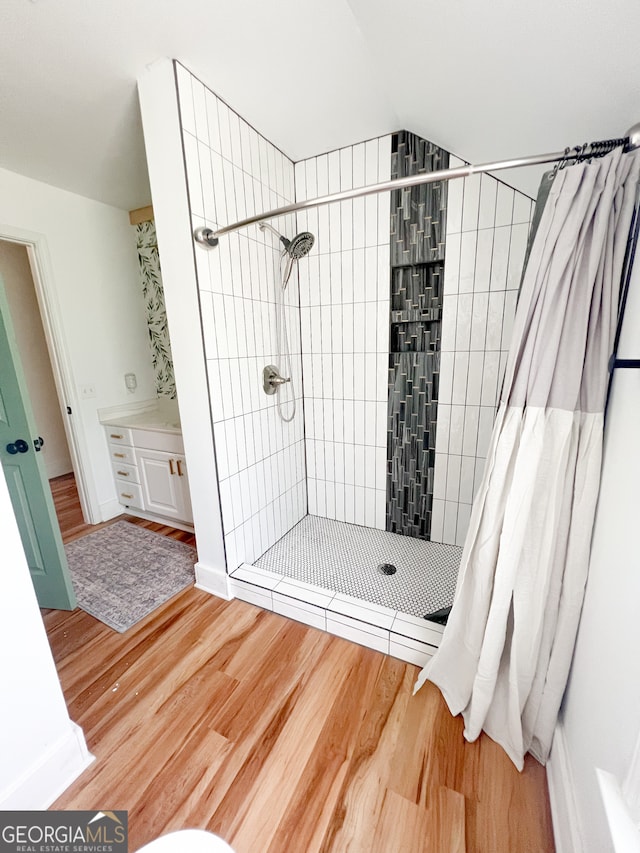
51 315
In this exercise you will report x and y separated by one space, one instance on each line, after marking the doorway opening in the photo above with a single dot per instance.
40 352
34 355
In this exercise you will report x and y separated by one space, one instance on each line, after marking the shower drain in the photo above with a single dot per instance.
387 568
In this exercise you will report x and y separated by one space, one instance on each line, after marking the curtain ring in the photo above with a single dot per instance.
584 153
577 153
591 153
560 164
569 154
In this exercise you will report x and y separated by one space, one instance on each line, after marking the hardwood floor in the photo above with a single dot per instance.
281 738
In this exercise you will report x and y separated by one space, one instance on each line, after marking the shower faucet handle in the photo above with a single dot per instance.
279 380
272 380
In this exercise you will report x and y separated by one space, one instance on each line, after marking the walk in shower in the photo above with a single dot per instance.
397 324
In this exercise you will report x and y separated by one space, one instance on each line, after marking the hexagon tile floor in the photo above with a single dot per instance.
346 558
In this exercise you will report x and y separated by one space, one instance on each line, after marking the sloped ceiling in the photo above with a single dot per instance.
484 80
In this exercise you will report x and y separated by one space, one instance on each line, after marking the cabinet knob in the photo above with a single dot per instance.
122 473
171 471
115 435
179 464
124 495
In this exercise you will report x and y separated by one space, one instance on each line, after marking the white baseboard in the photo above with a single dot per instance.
215 581
58 467
42 783
110 509
159 519
564 810
625 834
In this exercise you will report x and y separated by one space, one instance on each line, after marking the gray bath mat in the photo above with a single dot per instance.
122 572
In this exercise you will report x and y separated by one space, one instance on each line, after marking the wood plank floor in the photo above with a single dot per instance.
281 738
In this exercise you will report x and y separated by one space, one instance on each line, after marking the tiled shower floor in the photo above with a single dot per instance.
325 573
345 558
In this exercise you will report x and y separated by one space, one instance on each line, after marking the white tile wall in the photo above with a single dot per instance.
487 231
234 172
344 298
339 327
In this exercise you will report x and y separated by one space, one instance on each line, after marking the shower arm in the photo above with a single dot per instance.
275 233
208 238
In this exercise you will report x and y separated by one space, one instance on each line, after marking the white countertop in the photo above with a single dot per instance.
158 415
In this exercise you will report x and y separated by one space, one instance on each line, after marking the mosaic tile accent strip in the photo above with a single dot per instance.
418 214
345 558
413 410
417 289
418 227
156 314
414 337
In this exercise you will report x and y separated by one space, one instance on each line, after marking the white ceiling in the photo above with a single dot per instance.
484 80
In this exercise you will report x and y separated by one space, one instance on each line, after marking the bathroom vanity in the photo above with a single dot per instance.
148 463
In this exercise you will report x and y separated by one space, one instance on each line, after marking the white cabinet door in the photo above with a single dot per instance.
164 484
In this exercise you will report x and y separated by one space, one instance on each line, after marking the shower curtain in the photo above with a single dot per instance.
506 651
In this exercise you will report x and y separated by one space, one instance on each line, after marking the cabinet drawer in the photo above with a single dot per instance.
121 455
122 471
118 435
129 494
169 442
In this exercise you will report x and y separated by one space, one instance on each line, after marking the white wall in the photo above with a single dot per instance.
234 172
92 282
344 293
42 750
600 718
163 141
34 355
487 231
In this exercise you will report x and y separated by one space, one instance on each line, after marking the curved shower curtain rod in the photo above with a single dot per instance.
208 238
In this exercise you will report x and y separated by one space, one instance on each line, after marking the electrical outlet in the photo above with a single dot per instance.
87 391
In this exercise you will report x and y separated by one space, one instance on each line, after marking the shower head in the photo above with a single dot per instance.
296 248
301 245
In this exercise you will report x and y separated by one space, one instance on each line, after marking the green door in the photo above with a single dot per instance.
26 478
